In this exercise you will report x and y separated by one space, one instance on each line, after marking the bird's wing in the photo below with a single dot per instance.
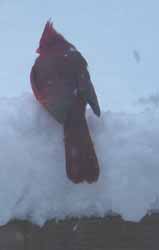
84 84
56 81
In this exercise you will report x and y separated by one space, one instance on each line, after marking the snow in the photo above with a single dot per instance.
33 182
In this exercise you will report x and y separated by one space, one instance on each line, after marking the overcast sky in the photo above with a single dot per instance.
119 38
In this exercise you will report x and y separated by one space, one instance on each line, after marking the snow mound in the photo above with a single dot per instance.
33 182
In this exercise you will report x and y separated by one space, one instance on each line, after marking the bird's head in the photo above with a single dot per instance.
51 40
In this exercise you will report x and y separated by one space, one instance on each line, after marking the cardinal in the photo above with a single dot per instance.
61 83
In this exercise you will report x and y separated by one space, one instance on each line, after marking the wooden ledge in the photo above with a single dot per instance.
110 233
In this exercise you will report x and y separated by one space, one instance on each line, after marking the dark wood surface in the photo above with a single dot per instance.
110 233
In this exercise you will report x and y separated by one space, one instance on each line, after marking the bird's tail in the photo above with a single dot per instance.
81 160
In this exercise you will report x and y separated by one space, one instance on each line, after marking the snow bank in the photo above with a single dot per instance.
33 183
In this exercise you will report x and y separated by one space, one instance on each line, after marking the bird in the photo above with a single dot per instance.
61 83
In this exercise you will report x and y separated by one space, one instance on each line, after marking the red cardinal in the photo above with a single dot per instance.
61 83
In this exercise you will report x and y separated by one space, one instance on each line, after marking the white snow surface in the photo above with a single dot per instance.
33 181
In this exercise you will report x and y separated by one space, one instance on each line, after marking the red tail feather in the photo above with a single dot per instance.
81 161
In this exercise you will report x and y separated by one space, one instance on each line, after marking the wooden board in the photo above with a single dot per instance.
110 233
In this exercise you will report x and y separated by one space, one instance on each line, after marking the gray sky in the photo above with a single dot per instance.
108 33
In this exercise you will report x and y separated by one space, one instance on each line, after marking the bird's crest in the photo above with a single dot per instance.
49 32
52 39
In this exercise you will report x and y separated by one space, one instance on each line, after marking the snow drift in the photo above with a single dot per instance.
33 182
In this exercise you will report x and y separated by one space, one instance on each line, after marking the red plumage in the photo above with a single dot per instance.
61 83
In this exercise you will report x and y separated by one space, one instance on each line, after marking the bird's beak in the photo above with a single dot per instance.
38 51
